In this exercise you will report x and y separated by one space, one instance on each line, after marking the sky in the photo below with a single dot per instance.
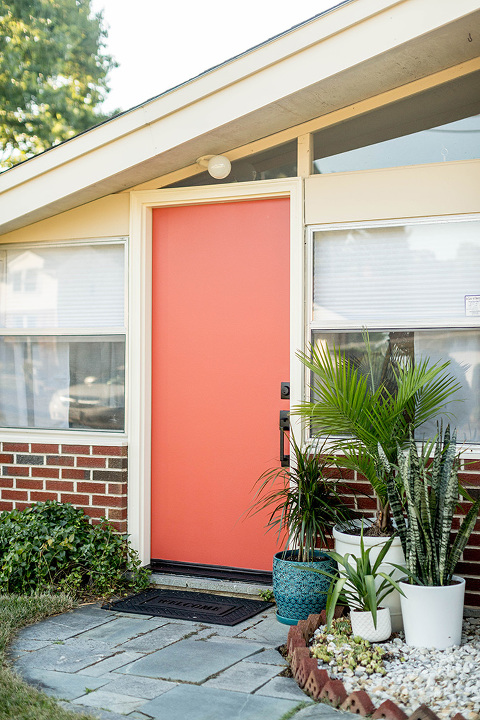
165 42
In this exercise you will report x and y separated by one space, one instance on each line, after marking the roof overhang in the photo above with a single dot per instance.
356 51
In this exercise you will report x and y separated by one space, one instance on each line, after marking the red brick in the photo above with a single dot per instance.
423 713
315 683
15 447
90 487
60 460
6 458
472 465
117 514
46 472
302 625
17 471
108 450
117 488
303 670
298 654
334 691
313 623
43 448
474 539
366 503
359 703
471 554
88 462
74 499
472 599
76 449
93 512
74 474
109 500
42 496
22 505
390 711
28 484
6 505
14 495
294 639
6 482
120 526
59 485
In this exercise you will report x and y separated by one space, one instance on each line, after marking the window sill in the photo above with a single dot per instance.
66 437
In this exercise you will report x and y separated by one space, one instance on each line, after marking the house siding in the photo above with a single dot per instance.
90 477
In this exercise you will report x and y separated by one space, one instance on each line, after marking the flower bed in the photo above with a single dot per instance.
395 681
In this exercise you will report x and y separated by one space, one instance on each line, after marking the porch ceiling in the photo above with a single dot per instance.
357 51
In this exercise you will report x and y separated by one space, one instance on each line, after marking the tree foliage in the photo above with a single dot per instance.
53 74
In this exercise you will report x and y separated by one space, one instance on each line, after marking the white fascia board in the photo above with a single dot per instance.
347 37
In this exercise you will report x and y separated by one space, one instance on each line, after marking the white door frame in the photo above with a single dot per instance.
139 370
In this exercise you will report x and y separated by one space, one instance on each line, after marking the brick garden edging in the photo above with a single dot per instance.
319 685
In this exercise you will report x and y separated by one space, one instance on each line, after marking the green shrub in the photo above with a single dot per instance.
53 544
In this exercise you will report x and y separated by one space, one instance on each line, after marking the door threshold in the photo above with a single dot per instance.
210 578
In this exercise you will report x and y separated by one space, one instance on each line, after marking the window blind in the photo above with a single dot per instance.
409 274
65 287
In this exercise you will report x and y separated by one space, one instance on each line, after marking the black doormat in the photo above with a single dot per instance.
186 605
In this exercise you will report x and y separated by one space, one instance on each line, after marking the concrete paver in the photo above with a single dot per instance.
116 702
243 677
118 665
201 703
175 662
68 686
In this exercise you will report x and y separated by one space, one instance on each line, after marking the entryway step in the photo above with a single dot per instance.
229 587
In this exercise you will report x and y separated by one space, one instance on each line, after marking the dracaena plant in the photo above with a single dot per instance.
372 403
359 583
303 501
431 492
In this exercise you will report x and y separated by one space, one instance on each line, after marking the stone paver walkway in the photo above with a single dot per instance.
118 665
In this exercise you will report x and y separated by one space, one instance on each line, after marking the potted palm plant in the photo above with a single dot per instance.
304 505
368 405
363 587
432 598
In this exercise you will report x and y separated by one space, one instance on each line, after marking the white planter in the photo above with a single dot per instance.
362 625
345 543
433 616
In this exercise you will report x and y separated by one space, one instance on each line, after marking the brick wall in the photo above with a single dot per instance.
91 477
469 565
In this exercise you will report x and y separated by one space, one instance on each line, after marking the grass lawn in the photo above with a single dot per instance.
19 701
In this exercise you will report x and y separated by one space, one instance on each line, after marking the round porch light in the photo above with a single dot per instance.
219 167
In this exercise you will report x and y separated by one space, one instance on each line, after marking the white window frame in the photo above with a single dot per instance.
469 450
74 436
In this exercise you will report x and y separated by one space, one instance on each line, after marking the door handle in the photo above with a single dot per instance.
284 428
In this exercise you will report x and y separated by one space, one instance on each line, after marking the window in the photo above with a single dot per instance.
453 141
62 336
415 285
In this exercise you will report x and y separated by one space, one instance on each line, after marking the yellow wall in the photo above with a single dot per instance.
107 217
418 191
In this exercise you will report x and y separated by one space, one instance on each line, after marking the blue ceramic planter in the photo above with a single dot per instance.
298 591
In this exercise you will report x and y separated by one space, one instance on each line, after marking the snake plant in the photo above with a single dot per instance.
431 490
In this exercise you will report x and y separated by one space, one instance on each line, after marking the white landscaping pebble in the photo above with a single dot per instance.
447 681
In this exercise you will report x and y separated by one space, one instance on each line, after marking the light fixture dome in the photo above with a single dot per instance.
219 167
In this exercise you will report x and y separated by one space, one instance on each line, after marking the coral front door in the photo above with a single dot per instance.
220 352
